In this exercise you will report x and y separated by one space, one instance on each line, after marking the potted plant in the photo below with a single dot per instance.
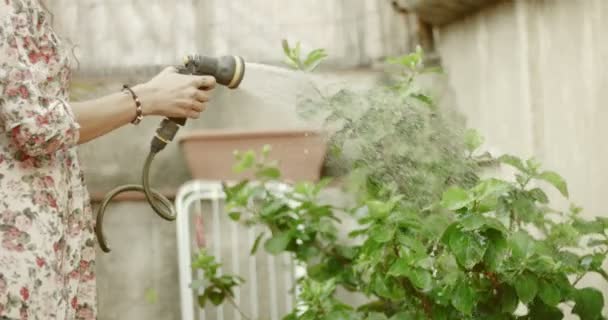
432 238
210 154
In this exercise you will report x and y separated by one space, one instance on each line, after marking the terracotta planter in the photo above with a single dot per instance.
210 154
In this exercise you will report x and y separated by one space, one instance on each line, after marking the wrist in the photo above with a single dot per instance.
138 107
144 93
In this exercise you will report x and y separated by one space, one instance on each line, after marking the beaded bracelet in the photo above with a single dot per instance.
139 112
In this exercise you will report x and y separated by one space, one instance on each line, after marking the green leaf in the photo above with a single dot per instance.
513 161
304 188
472 139
235 216
378 209
463 298
256 243
526 285
376 316
589 304
497 250
542 264
413 244
474 221
213 294
490 188
266 150
539 310
539 195
297 49
246 162
273 209
522 245
422 98
471 222
379 285
340 314
286 49
588 227
421 278
549 293
314 59
403 315
524 208
411 60
533 166
399 268
467 247
455 198
291 63
508 299
268 173
277 243
382 234
447 233
556 180
593 262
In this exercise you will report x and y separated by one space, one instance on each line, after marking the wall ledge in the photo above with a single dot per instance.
443 12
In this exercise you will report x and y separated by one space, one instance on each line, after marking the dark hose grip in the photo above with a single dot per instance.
180 121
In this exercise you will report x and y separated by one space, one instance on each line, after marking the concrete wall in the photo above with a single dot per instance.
531 75
118 33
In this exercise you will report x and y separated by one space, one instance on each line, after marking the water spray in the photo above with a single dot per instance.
228 71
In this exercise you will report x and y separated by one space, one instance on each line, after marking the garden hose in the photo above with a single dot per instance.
228 71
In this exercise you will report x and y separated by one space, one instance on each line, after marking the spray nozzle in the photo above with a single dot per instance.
227 70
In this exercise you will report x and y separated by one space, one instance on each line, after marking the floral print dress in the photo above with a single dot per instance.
46 225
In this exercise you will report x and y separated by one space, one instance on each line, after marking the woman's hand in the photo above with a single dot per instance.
171 94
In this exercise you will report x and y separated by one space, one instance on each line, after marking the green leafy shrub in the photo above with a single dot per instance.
465 247
395 138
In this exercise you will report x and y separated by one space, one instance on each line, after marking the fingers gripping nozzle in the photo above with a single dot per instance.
227 71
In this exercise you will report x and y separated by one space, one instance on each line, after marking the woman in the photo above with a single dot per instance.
47 268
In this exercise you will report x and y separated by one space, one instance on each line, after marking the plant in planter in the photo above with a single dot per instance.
432 240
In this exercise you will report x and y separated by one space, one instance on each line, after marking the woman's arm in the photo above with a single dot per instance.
100 116
39 124
169 94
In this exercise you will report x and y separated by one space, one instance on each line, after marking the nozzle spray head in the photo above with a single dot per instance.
227 70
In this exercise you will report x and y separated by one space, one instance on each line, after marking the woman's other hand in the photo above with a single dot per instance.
171 94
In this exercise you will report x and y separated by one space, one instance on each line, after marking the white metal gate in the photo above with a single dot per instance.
269 290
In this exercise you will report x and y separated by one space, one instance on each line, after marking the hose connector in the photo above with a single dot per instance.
164 134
